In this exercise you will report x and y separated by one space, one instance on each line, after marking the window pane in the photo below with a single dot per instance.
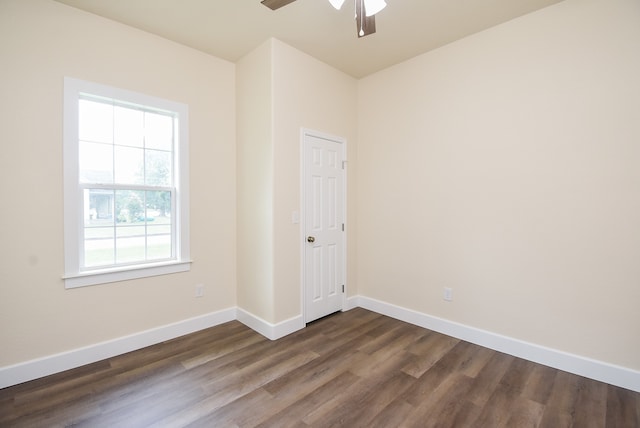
98 227
98 252
96 163
159 207
158 168
122 149
128 127
98 208
158 131
129 205
95 121
159 245
130 249
128 165
130 229
159 227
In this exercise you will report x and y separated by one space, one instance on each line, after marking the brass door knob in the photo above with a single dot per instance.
311 239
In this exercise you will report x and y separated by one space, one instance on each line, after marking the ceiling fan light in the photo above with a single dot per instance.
372 7
336 3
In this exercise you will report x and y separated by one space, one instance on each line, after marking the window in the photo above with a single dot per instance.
126 185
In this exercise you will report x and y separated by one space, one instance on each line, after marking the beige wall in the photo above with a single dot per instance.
282 90
254 82
41 42
505 166
307 94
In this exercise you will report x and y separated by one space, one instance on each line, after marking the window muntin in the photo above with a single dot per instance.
126 184
126 174
126 226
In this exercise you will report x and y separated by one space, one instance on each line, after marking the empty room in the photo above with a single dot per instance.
320 213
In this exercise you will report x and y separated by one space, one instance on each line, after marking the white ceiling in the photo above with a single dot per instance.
230 29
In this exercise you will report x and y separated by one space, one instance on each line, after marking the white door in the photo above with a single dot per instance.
323 199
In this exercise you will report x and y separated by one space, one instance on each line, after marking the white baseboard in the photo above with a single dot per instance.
598 370
267 329
576 364
34 369
351 303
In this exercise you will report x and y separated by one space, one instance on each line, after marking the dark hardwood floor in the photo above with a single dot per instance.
352 369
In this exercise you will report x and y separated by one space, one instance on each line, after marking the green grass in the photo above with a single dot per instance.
104 256
100 229
130 242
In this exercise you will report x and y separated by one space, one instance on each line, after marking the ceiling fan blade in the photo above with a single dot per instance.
365 24
276 4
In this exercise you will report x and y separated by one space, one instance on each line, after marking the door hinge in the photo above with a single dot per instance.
343 227
343 288
344 164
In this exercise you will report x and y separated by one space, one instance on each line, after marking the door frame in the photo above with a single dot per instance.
304 132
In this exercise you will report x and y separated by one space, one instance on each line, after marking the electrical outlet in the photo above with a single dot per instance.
448 294
199 290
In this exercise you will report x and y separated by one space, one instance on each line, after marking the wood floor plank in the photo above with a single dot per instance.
553 417
623 408
457 360
305 379
228 389
225 346
488 379
560 409
395 346
466 415
591 404
539 385
564 393
517 376
476 362
247 410
144 412
56 380
373 372
358 320
259 373
393 415
465 358
428 350
60 390
366 402
295 413
354 368
445 411
358 331
422 389
434 406
498 409
525 413
74 411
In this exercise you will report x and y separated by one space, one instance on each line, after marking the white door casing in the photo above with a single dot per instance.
323 199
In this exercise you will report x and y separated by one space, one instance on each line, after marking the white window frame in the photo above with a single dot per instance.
74 276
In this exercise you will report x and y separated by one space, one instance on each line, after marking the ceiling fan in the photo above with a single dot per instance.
365 12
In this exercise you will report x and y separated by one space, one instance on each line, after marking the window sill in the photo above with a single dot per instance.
122 274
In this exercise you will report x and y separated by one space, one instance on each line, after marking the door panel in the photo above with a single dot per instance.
324 216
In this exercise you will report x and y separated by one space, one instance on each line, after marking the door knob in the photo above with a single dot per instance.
311 239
